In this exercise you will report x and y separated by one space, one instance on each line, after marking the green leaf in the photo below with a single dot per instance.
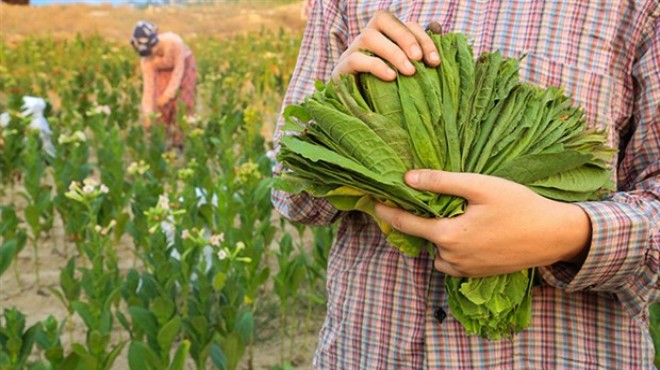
85 312
79 349
563 195
78 361
233 348
144 320
529 168
114 353
389 129
298 112
179 360
408 244
162 309
32 215
168 334
245 326
350 133
141 357
7 252
97 342
219 281
585 178
417 121
123 321
382 96
41 365
218 357
70 362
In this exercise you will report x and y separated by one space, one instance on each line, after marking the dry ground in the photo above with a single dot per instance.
116 23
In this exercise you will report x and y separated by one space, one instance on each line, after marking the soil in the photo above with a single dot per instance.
116 22
37 303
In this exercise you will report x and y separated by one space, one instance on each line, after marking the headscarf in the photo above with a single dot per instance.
145 36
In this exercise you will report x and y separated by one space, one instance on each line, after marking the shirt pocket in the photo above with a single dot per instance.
599 94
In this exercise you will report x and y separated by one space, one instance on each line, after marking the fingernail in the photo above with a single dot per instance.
416 52
435 28
408 66
390 73
434 57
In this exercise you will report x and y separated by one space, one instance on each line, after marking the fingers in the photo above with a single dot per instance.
410 224
359 62
409 38
431 56
445 267
389 25
391 40
471 186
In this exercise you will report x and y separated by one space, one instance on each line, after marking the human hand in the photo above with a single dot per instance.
162 100
506 227
390 39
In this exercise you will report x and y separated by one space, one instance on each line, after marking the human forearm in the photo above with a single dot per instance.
148 86
624 244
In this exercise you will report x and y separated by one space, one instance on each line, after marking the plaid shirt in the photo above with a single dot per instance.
381 304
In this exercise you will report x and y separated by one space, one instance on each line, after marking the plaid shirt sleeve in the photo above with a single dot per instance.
625 249
323 42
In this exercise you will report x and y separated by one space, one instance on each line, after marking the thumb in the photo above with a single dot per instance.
471 186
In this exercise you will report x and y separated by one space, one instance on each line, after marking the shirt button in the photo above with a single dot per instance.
439 315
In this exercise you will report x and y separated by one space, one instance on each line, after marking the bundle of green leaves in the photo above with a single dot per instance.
353 140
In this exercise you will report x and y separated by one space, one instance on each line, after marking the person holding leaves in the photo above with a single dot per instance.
598 261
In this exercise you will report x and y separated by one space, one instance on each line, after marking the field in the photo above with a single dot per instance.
120 251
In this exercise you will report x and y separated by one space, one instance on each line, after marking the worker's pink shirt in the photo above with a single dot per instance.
174 54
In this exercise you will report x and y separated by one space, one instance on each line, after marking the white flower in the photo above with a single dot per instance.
132 168
74 185
88 189
164 202
222 254
104 189
80 136
185 234
138 168
192 119
240 246
4 119
102 109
